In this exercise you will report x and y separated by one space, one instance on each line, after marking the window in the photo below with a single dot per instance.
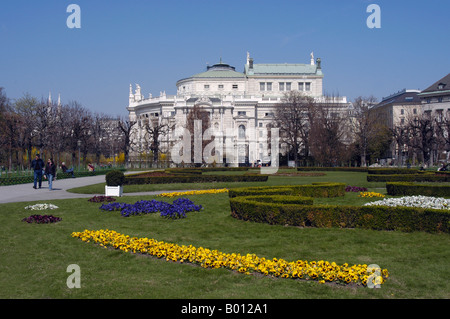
235 86
242 113
402 111
288 86
260 124
300 86
241 131
220 86
439 114
269 86
206 86
414 111
281 86
307 86
269 114
262 86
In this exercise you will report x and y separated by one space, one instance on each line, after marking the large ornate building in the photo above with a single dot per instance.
240 102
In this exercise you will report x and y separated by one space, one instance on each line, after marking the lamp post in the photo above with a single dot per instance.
79 152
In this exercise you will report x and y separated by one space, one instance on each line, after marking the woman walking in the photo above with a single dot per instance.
50 172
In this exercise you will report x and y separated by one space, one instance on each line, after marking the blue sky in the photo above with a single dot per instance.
156 43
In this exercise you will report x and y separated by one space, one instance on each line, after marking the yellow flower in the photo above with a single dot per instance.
370 194
250 263
199 192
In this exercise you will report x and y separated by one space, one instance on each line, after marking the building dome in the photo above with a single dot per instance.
219 70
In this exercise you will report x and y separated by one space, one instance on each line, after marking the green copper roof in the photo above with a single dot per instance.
219 74
283 69
220 70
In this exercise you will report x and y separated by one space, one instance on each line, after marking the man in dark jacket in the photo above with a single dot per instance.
37 165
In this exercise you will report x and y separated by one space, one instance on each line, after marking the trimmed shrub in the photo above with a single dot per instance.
313 190
183 171
343 169
421 177
367 217
392 171
197 178
115 178
405 188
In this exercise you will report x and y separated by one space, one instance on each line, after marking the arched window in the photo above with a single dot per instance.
241 131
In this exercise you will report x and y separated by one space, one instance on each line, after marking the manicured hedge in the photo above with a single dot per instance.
194 175
421 177
59 175
183 171
391 171
367 217
313 190
197 170
405 189
344 169
180 178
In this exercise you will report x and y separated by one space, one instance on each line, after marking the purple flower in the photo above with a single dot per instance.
101 198
175 210
355 189
42 219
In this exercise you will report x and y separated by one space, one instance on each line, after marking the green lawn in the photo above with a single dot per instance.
35 257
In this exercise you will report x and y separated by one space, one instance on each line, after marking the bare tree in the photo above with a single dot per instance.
79 129
126 127
327 132
156 128
422 132
25 107
400 135
294 116
364 124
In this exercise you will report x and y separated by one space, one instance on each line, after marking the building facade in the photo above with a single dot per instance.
436 99
395 112
240 104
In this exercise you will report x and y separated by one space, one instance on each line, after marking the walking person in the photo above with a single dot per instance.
50 172
37 165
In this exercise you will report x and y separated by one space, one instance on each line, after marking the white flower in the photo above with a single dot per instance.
414 201
41 207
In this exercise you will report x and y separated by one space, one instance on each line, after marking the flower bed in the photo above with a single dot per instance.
178 209
101 198
41 207
321 271
200 192
355 189
414 201
370 194
42 219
